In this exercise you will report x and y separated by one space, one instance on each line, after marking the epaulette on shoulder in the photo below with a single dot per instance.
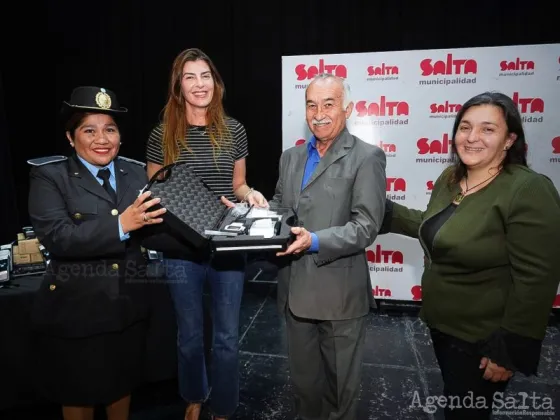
46 160
137 162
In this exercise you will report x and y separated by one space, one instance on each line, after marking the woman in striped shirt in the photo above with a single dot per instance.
195 129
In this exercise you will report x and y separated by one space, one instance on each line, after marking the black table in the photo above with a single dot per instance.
16 376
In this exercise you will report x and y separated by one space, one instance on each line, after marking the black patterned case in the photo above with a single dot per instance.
193 208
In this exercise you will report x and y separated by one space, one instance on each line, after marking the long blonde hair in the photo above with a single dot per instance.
175 125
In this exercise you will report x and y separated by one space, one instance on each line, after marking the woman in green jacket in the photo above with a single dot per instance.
491 238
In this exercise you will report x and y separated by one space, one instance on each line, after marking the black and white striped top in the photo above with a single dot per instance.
216 171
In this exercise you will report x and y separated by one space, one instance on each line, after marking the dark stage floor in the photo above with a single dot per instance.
399 364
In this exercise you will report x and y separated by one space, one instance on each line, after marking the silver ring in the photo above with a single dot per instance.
146 218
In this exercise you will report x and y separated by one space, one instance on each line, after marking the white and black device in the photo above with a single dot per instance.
5 264
152 255
235 227
45 254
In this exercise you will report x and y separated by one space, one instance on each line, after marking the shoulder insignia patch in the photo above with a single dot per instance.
137 162
46 160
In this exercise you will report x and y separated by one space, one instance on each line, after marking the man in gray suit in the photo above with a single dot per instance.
337 184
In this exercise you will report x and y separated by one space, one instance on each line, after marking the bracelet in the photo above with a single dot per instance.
247 195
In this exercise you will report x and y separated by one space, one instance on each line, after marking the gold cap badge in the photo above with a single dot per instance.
103 100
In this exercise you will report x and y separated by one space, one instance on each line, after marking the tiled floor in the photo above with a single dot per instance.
399 365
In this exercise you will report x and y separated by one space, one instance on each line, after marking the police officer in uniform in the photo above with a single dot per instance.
91 311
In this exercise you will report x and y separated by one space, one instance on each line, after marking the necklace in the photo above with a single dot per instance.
459 197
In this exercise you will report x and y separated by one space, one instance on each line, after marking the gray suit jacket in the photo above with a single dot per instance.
344 204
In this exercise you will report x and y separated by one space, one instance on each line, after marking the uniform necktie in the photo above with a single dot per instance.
105 174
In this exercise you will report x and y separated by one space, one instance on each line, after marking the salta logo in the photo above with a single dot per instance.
449 66
517 65
382 108
396 189
430 185
451 71
382 72
381 112
390 149
556 145
385 259
444 110
416 292
427 146
555 150
529 106
438 151
304 72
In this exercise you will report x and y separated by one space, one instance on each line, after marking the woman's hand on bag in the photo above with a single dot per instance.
255 198
227 202
137 214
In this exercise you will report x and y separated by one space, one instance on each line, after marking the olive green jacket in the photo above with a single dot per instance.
498 256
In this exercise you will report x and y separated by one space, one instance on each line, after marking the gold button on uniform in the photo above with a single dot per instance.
114 212
115 266
77 216
52 287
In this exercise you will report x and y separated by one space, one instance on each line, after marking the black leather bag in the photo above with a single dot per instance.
193 209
